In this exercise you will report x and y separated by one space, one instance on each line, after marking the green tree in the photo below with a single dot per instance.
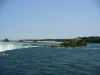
73 44
35 40
21 41
6 40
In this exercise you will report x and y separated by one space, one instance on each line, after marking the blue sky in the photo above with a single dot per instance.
48 19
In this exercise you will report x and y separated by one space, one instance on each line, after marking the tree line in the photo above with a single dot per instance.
90 39
73 44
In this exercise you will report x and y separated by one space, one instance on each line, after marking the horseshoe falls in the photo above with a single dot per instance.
36 59
12 45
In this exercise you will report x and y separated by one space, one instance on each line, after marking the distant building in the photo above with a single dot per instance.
76 39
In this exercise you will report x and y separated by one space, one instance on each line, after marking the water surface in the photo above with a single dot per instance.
39 60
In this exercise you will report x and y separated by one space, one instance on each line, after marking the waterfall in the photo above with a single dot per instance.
12 45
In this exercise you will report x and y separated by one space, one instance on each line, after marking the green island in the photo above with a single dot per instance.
70 44
20 41
6 40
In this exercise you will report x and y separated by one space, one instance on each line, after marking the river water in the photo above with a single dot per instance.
34 59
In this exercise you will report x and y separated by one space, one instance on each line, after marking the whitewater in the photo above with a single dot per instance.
12 45
4 46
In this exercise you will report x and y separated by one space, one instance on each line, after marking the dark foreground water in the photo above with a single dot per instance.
51 61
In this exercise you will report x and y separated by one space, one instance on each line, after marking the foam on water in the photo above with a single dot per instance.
92 48
3 54
15 45
12 45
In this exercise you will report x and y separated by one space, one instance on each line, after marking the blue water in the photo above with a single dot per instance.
39 60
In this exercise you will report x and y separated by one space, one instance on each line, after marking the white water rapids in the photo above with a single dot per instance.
11 45
4 46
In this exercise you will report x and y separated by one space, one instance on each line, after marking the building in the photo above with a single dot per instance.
76 39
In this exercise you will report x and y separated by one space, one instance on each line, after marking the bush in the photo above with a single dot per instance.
6 40
20 40
54 46
73 44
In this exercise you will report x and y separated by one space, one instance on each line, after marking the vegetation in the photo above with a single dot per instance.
73 44
55 46
35 40
91 39
6 40
21 41
58 40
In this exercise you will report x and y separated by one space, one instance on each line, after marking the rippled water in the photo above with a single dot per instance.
51 61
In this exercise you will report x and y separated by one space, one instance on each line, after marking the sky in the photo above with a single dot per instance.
49 19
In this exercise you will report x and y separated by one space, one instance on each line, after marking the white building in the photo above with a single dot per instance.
76 39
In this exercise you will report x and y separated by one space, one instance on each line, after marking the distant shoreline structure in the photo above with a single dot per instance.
91 39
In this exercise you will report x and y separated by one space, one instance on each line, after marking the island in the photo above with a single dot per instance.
70 44
6 40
